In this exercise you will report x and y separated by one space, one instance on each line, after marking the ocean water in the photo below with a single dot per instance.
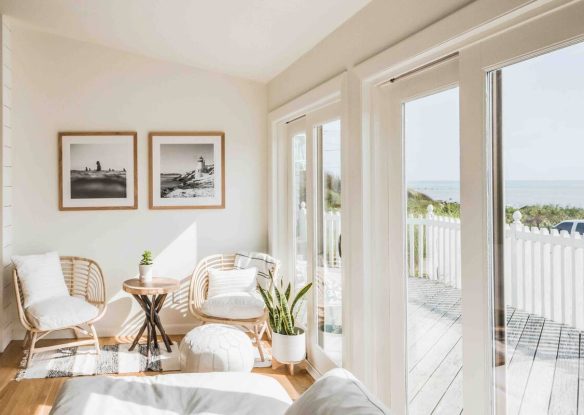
518 193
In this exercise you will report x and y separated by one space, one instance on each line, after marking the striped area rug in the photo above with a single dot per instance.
114 359
83 361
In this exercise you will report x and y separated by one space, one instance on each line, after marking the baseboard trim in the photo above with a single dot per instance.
312 371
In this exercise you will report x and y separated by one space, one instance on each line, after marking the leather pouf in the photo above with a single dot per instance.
216 348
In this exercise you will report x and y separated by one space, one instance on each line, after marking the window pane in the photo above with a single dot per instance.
329 266
543 274
300 233
300 221
434 328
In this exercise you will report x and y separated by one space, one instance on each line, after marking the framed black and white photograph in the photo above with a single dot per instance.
98 170
187 170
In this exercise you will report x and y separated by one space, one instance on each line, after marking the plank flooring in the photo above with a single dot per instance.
545 370
36 396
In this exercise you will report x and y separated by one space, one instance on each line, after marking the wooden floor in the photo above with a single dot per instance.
546 360
36 396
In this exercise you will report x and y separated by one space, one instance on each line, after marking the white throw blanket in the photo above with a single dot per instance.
188 393
263 262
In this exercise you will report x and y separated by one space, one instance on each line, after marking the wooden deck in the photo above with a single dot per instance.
546 359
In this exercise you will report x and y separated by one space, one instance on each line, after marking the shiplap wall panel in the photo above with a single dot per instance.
7 306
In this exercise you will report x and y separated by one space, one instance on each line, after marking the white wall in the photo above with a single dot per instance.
7 308
379 25
67 85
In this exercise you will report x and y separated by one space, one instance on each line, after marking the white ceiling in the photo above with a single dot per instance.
253 39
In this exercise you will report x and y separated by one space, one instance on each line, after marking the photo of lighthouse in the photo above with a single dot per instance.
187 170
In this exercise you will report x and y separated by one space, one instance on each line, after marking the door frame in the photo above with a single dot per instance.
551 31
308 124
481 47
315 354
441 77
314 105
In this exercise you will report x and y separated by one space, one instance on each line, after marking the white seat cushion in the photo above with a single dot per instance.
60 312
338 392
234 306
41 277
231 281
216 348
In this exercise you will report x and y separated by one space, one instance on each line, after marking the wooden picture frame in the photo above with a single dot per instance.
191 181
112 184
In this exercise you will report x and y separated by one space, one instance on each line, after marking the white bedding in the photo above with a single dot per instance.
192 393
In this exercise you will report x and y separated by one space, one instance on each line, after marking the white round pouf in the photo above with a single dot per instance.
216 348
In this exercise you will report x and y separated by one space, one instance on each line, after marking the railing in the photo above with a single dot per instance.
438 239
544 270
332 234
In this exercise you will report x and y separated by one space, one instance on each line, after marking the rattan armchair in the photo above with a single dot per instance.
84 279
198 294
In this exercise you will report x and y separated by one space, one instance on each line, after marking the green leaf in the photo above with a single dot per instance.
287 294
300 294
287 325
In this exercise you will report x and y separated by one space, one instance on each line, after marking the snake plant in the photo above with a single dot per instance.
282 312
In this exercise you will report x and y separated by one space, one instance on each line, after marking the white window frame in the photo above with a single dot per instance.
437 79
502 41
318 105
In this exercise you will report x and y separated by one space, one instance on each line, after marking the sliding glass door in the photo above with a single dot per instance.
538 139
426 281
329 266
315 230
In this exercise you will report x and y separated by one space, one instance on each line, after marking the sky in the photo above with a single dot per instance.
543 123
431 137
183 158
110 156
331 147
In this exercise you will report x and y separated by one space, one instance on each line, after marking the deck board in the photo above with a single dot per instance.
564 397
539 386
520 366
545 373
451 402
425 369
438 384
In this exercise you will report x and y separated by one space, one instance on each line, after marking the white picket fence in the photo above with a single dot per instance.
438 237
544 270
331 230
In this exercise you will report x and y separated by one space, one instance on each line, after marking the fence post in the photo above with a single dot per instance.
421 244
411 250
430 242
337 234
513 240
301 235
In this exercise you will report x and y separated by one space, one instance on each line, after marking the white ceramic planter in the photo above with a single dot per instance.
289 349
145 273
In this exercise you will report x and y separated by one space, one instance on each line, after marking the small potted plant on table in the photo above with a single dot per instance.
288 341
146 267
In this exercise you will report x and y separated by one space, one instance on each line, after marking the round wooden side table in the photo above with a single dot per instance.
158 289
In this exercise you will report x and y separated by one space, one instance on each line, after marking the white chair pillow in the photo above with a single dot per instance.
41 277
231 281
234 306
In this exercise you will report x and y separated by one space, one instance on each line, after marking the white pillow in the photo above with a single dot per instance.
41 277
234 306
338 392
231 281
